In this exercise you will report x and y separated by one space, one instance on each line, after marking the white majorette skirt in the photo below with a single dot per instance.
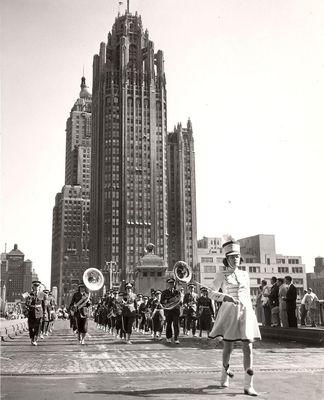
236 322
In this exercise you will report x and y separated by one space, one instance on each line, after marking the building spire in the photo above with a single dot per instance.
127 6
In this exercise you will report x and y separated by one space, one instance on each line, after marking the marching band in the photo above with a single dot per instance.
225 311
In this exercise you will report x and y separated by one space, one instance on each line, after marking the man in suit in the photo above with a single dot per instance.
291 297
274 302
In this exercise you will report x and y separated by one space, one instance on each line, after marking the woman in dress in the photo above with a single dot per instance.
236 320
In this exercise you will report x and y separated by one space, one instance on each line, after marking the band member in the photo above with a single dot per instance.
190 304
35 312
145 314
172 315
120 329
206 311
138 316
236 320
129 311
80 303
112 311
149 319
158 317
46 314
53 315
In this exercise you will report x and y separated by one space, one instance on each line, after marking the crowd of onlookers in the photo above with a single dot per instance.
276 304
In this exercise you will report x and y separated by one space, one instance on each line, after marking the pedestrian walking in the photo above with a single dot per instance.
35 311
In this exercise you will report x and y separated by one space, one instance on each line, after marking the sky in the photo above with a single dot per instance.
248 73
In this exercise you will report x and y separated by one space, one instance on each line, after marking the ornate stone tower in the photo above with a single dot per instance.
128 176
182 197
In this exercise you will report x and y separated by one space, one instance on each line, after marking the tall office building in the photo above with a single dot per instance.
71 213
182 223
128 176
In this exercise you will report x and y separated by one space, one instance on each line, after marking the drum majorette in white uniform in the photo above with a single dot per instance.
236 320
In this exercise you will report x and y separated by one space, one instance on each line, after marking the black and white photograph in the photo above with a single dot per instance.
162 199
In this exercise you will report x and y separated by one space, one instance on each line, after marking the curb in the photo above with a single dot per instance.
13 330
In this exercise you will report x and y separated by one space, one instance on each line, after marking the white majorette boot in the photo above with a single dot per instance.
248 383
226 374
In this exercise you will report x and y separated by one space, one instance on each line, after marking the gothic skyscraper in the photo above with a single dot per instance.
71 213
128 190
182 221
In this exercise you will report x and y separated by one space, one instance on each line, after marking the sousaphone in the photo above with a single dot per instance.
183 273
93 279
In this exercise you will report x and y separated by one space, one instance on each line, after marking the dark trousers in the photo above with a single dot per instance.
267 315
191 323
291 312
34 327
128 323
144 324
172 318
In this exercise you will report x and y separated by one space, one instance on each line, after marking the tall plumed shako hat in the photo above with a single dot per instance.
231 248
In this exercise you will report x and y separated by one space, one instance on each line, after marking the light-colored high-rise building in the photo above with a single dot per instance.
182 221
71 213
128 177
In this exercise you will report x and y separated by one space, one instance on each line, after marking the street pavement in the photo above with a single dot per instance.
106 368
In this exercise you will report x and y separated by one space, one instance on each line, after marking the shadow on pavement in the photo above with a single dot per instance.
208 390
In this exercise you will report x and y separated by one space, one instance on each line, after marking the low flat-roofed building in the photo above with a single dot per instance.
259 260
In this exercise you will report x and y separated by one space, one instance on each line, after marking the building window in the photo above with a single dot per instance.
297 270
283 270
206 259
210 269
254 269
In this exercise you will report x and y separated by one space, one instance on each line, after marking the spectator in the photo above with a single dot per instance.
274 302
265 303
282 303
291 297
303 311
258 306
312 303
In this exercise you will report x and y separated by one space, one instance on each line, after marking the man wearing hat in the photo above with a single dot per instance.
144 312
80 303
172 314
190 304
158 316
206 311
34 306
129 311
